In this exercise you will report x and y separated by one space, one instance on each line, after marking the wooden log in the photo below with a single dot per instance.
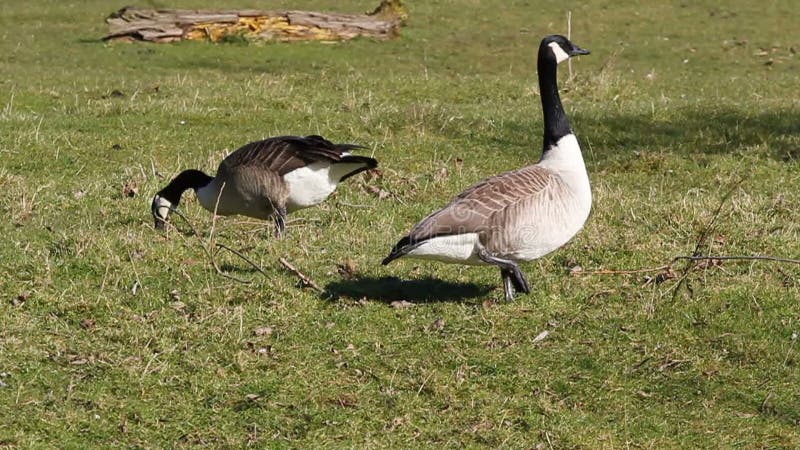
169 25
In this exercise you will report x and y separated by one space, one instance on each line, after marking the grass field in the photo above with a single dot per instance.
112 333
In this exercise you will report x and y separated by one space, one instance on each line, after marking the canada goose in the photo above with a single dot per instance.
267 179
519 215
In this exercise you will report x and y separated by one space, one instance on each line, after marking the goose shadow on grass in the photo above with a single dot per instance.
688 131
390 289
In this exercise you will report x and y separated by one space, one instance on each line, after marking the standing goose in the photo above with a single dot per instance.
267 179
520 215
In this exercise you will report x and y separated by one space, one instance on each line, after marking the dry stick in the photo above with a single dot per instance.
205 248
211 241
135 273
701 240
622 271
229 276
696 256
211 257
186 219
739 257
220 271
303 278
241 255
569 37
214 216
690 258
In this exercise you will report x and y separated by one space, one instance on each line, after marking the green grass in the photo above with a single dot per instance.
675 105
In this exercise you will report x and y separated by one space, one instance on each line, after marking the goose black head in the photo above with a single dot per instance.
560 48
160 208
167 199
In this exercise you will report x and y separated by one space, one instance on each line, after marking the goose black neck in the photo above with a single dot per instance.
556 123
188 179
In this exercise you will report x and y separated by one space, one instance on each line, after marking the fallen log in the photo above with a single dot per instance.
169 25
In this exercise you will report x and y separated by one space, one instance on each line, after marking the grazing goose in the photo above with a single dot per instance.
267 179
519 215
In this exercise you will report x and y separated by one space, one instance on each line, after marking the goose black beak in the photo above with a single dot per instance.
578 51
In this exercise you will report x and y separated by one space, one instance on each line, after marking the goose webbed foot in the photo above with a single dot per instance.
513 278
280 222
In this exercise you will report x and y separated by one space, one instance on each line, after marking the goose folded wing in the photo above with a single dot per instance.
286 153
481 207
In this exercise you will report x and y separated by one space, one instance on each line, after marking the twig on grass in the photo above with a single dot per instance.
185 219
765 406
696 256
207 248
214 216
569 37
135 273
621 271
303 278
701 240
674 260
688 257
638 365
211 259
208 253
739 257
241 255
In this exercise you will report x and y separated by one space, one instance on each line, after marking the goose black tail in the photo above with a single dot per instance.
348 147
368 163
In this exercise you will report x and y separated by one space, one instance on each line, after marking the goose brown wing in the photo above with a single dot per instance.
284 154
477 209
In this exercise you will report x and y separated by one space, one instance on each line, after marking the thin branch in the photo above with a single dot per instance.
208 253
674 260
135 272
186 219
739 258
241 255
701 240
303 278
214 216
223 273
216 267
569 37
621 271
207 248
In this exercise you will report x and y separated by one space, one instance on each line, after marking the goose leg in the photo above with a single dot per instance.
520 282
280 221
508 284
513 278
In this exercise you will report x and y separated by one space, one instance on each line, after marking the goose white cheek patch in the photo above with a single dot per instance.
162 207
559 52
